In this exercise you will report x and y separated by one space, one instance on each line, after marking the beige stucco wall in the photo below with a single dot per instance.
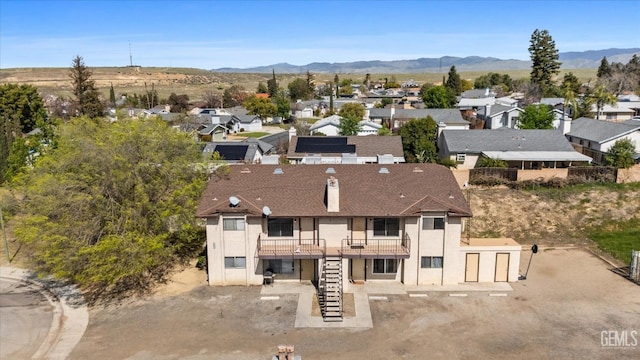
469 162
545 174
446 243
487 265
629 175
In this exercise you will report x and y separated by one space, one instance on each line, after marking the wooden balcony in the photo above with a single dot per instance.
278 248
376 248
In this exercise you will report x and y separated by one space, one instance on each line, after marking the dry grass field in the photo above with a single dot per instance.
195 82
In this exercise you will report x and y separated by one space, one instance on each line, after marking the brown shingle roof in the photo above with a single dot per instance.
405 190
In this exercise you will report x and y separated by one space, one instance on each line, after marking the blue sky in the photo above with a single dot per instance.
214 34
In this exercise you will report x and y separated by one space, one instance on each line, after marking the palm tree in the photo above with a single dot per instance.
569 100
602 97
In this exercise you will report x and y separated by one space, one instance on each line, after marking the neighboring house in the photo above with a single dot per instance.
410 84
445 118
209 111
396 223
305 112
216 132
628 103
613 113
240 123
476 99
249 151
329 126
507 101
500 116
345 150
559 117
556 103
594 138
368 128
157 110
522 149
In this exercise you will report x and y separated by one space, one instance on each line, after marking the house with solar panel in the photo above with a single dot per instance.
248 151
345 149
340 225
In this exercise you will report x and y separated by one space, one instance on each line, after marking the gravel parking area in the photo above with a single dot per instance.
570 307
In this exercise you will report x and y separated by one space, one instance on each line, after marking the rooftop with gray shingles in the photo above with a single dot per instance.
298 190
447 116
366 146
600 130
477 141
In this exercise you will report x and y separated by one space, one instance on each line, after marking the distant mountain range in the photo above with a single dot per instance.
570 60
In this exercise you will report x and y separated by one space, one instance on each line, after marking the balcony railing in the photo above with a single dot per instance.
278 248
376 248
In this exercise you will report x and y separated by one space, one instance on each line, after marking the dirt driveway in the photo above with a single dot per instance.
569 306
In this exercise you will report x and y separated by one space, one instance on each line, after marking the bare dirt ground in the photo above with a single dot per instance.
559 312
547 218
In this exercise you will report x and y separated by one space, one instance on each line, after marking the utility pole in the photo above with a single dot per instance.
4 234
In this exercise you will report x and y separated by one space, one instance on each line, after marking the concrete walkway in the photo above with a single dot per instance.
362 294
70 315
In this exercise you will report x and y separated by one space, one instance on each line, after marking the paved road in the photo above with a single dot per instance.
26 317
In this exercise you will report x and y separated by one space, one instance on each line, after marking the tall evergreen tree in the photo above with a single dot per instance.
544 57
87 100
453 82
112 95
272 85
604 69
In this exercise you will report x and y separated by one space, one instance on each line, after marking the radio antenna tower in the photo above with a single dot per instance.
130 57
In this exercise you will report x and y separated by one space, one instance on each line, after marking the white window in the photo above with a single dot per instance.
461 157
385 266
431 262
235 224
433 223
235 262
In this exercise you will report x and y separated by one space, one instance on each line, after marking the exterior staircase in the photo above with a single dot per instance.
330 289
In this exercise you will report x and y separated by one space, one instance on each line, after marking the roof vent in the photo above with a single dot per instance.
330 171
234 201
417 170
245 171
383 170
278 171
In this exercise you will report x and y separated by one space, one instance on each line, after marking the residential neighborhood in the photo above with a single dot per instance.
286 180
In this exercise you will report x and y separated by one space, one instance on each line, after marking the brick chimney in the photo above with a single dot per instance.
333 195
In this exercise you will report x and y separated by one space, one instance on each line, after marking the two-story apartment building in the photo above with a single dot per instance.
395 222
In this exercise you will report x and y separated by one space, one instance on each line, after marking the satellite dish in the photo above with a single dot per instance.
534 249
266 211
234 201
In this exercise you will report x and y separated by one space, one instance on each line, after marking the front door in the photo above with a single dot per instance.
357 269
471 270
307 269
502 267
359 230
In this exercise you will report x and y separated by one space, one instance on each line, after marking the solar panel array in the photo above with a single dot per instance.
324 145
232 152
